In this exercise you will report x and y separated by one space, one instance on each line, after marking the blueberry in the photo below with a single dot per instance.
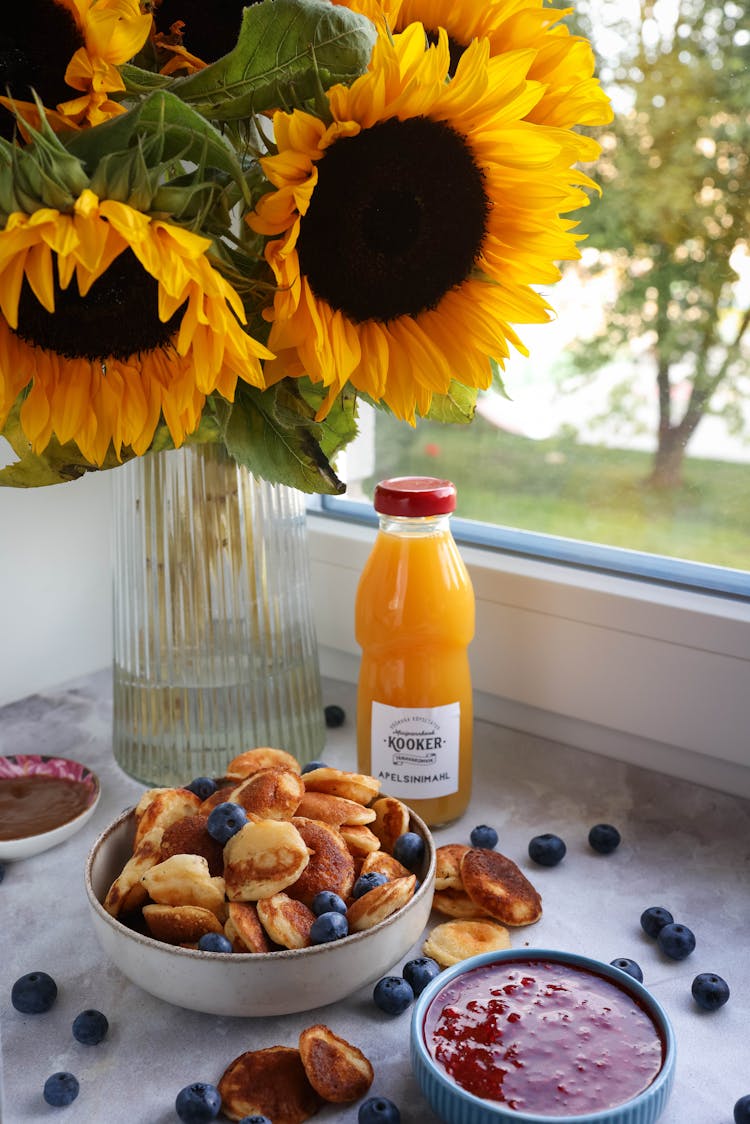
547 849
367 882
328 902
225 821
214 942
483 836
202 786
308 768
335 716
628 966
655 918
61 1089
329 927
710 991
393 994
676 941
255 1120
34 993
378 1110
419 972
90 1027
198 1103
409 849
604 838
742 1110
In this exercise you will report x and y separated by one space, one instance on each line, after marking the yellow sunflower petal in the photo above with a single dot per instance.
114 402
516 66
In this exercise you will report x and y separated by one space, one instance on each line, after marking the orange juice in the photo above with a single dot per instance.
414 620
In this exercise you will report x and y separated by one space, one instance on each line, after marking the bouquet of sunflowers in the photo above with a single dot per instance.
228 224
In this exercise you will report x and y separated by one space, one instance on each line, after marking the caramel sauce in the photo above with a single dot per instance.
33 804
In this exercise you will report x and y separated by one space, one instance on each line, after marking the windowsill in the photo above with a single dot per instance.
630 669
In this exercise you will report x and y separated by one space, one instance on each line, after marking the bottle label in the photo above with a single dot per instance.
415 752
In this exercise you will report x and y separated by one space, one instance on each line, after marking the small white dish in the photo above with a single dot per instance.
17 766
250 985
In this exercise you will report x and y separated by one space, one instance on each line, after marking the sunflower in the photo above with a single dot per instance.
406 233
149 329
564 63
57 47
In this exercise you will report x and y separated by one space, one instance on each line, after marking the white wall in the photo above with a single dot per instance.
55 584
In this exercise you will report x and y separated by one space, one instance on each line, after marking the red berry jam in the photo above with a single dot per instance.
543 1037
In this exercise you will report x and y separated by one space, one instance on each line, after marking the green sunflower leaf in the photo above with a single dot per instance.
183 134
57 464
498 383
271 433
339 426
140 81
286 50
457 406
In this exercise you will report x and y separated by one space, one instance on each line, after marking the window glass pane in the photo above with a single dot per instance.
628 423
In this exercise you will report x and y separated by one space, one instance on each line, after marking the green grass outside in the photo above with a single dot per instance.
559 487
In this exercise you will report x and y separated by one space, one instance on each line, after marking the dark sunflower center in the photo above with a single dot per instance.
38 38
396 221
118 317
211 26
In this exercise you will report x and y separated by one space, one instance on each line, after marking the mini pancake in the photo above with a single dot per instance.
385 864
185 880
243 928
391 820
270 1082
286 921
359 839
262 858
272 794
189 836
331 866
448 866
333 809
453 941
167 806
180 924
378 904
262 757
127 892
455 903
338 1071
497 886
146 798
221 795
352 786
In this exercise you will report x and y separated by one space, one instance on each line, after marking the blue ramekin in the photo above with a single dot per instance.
455 1105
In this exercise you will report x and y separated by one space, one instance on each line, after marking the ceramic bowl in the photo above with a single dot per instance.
24 765
250 984
455 1105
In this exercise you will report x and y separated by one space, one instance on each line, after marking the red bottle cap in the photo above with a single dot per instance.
415 496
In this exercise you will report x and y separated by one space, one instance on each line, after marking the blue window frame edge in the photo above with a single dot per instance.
672 572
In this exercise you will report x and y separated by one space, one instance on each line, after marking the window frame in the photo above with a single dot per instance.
650 672
673 572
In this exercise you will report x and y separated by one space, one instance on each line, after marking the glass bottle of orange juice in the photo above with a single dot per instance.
414 620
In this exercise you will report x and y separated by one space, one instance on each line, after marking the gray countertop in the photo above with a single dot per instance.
684 847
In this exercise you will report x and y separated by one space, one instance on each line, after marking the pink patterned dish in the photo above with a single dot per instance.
43 801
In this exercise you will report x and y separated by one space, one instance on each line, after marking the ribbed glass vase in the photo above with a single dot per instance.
214 642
